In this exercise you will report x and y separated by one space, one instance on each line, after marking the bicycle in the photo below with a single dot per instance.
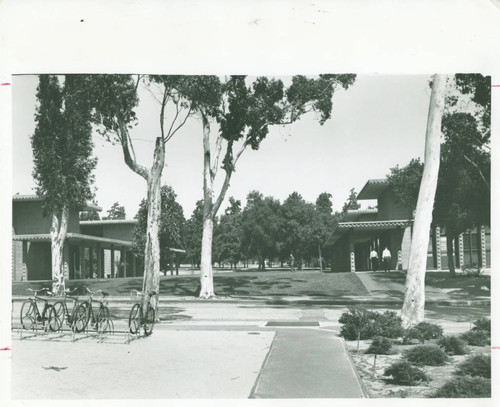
60 312
30 314
99 320
137 317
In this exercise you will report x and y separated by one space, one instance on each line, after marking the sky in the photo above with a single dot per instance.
376 124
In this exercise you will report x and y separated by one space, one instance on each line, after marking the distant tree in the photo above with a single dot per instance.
90 215
324 224
352 202
297 228
260 223
62 153
405 182
115 212
171 228
227 237
192 235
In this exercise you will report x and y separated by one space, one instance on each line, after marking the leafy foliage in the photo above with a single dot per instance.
453 345
476 338
352 202
62 142
405 373
227 236
369 324
476 366
464 387
380 346
405 183
482 325
422 332
426 355
171 228
193 234
116 212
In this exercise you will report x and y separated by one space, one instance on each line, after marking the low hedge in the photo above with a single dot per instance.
478 365
403 372
426 355
464 387
476 338
453 345
423 332
370 324
380 346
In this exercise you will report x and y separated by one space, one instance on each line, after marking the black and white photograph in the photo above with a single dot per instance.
244 204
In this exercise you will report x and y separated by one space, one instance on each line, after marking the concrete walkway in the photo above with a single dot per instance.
307 364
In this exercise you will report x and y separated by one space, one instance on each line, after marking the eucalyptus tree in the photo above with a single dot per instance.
247 109
62 155
414 299
179 98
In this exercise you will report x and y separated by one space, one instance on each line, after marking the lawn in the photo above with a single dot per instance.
238 284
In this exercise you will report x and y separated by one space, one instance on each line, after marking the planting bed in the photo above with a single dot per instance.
380 386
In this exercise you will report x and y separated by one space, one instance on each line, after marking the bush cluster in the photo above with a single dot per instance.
476 338
405 373
465 387
423 332
482 325
475 365
453 345
426 355
370 324
380 346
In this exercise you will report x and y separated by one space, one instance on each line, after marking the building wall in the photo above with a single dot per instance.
28 218
388 210
119 231
38 261
340 260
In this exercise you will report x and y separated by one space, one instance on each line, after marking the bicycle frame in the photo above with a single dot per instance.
32 315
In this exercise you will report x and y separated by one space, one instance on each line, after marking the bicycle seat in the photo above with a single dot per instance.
104 294
151 293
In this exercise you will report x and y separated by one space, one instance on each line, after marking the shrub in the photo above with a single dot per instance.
403 372
422 332
475 365
370 324
389 325
464 387
475 338
453 345
380 346
482 325
428 355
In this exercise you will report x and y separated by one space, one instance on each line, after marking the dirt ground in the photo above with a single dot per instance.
379 386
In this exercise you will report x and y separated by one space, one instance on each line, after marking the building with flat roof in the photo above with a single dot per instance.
92 249
390 225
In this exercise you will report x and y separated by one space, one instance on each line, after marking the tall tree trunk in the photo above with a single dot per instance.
58 232
414 300
449 253
206 274
151 281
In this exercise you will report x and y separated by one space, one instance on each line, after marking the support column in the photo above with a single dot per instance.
24 257
483 246
438 248
134 266
81 261
91 262
99 261
123 261
112 261
461 250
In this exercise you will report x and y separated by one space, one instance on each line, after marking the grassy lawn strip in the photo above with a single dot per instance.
241 284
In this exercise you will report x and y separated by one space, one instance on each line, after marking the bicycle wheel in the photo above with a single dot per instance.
28 315
149 320
56 316
102 319
45 316
81 317
134 319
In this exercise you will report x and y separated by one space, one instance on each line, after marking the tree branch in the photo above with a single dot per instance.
218 149
129 160
180 125
478 169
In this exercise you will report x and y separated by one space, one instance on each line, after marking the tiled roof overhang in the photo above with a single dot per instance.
20 198
354 213
109 222
373 188
74 237
375 225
